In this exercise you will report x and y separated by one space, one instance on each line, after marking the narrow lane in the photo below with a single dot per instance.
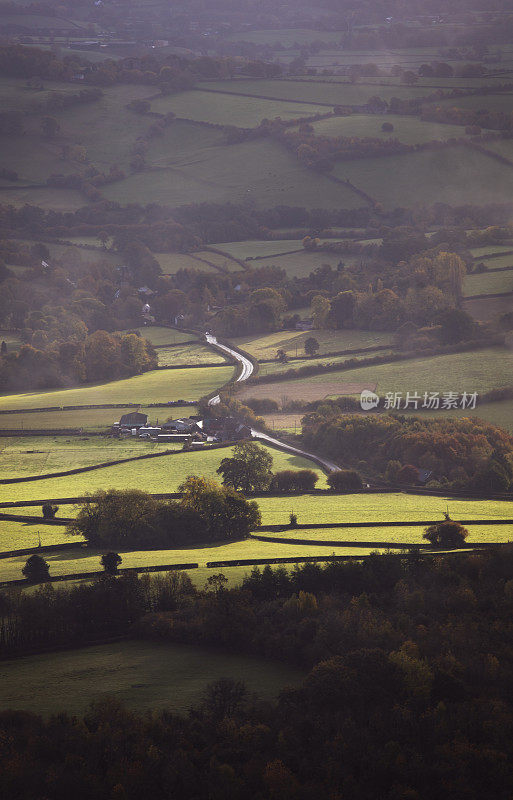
246 372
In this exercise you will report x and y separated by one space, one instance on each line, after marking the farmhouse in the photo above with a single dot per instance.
187 425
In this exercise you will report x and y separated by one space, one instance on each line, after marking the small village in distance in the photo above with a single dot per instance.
193 432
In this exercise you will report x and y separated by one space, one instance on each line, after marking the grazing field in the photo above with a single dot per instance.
259 170
16 96
408 130
21 535
293 342
33 158
493 283
491 102
188 354
273 368
155 475
35 455
181 142
106 128
226 109
140 675
84 560
160 335
488 307
261 249
300 265
450 175
223 262
458 372
158 386
395 506
89 419
47 198
329 94
499 262
396 536
498 413
503 147
170 263
480 253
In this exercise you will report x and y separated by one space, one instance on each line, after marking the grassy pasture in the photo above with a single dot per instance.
293 342
226 109
158 475
396 536
255 247
492 283
273 368
503 147
498 413
223 262
32 455
181 142
46 197
307 92
85 560
480 253
90 419
300 265
384 508
172 262
488 307
160 335
490 102
141 675
451 175
188 354
106 128
152 387
32 157
259 170
505 261
409 130
21 535
458 372
16 96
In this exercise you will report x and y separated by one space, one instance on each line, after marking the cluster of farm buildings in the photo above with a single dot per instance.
196 431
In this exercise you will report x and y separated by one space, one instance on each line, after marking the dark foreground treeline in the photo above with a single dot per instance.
409 696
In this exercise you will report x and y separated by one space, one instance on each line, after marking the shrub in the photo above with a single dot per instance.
446 534
36 569
345 480
290 480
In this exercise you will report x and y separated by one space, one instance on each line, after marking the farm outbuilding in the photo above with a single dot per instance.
134 419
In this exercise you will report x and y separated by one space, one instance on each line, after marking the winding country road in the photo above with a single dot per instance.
246 372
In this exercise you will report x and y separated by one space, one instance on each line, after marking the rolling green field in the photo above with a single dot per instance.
409 130
480 253
458 372
223 262
226 109
300 265
170 263
155 475
264 249
498 413
376 508
33 455
488 308
140 675
259 170
47 198
307 92
293 342
90 419
451 175
188 354
493 283
158 386
160 335
273 368
492 102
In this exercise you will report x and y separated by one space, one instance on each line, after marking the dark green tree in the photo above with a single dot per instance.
36 569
